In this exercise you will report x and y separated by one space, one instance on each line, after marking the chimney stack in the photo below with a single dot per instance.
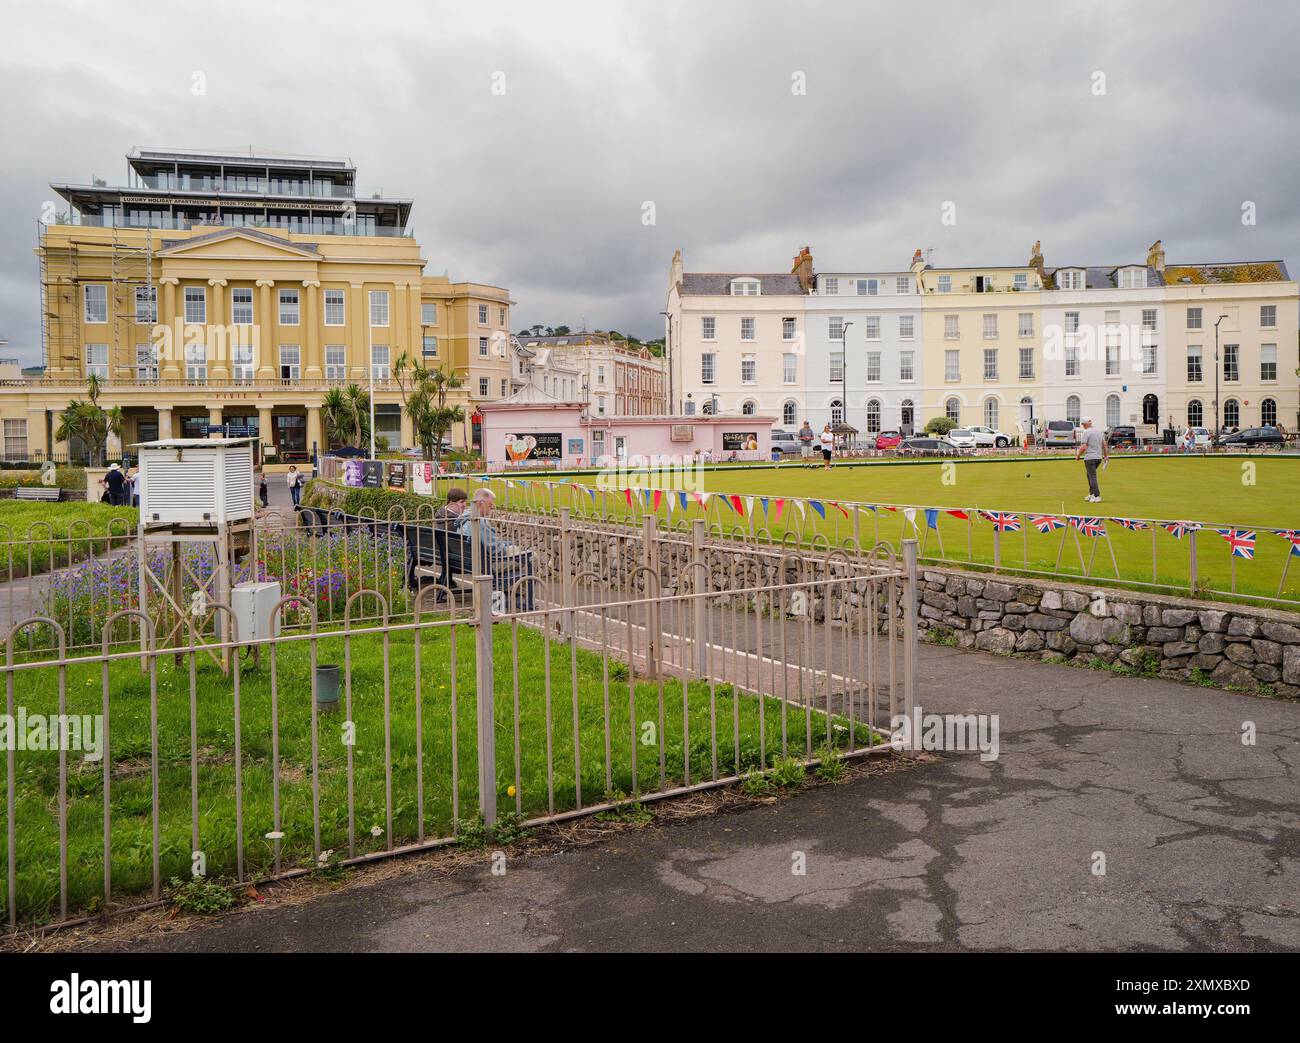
803 269
1036 260
1156 257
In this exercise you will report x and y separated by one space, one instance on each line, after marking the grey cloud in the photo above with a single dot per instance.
689 106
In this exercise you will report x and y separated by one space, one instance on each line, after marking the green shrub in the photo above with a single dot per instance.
201 896
939 425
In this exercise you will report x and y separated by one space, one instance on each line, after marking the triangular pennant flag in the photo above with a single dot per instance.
816 505
803 509
737 505
672 503
683 499
780 506
763 501
959 514
839 508
627 493
659 495
932 517
910 514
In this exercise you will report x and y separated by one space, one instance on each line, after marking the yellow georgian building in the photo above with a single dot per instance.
237 290
982 343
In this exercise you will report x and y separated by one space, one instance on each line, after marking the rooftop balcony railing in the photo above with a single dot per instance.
247 186
109 384
167 222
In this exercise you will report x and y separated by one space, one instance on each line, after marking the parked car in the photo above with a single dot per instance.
1060 432
888 440
963 438
986 436
929 446
786 442
1254 438
1202 435
1123 434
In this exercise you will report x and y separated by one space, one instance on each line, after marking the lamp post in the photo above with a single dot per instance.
1216 377
668 354
844 372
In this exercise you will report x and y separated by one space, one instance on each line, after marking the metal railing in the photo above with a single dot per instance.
621 668
1205 559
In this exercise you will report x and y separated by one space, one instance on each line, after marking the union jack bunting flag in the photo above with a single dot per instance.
1046 522
1129 523
1180 529
1088 526
1002 521
1293 537
1242 541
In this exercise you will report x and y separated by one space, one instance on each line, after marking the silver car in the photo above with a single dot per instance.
1060 432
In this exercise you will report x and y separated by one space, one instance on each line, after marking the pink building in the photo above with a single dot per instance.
528 430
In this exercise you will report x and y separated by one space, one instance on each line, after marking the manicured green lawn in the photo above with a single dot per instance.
1229 492
38 777
32 535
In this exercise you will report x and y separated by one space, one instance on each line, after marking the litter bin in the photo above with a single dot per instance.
327 687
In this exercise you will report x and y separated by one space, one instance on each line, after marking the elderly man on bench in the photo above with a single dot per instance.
507 562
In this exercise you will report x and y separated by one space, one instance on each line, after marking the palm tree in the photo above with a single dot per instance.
86 420
425 402
346 412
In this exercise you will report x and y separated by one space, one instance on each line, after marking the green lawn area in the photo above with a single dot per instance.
38 778
32 534
1231 492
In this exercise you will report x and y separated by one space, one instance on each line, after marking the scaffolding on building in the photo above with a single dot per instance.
122 263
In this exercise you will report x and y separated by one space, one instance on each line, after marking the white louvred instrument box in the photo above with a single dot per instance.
196 481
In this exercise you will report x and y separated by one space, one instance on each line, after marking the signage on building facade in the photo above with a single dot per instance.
545 446
738 440
575 446
372 474
396 476
353 473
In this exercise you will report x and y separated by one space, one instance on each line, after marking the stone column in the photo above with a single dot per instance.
218 348
265 430
315 439
312 364
214 417
266 348
38 447
164 422
359 349
172 347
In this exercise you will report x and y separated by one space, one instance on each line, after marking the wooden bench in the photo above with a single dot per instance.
38 492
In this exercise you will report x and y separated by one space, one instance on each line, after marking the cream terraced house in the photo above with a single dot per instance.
982 343
864 363
1104 356
736 339
1255 305
235 289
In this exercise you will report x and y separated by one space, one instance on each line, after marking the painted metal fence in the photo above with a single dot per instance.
619 667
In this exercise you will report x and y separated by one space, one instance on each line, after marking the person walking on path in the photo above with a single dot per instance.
1093 449
828 446
806 438
296 480
262 493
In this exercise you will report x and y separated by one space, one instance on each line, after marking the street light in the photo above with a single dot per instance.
1216 376
668 354
844 372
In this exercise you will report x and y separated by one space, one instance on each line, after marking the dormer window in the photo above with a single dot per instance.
1021 281
830 286
1069 279
1132 278
745 288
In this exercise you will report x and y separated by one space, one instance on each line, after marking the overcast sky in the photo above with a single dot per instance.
608 106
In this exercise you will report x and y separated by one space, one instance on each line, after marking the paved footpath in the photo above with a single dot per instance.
1200 833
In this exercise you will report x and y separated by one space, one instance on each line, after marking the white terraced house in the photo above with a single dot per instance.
1103 346
737 341
1007 347
864 351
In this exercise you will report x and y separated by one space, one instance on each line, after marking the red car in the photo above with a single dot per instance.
888 440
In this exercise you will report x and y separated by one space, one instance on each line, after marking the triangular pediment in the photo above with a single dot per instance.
239 242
